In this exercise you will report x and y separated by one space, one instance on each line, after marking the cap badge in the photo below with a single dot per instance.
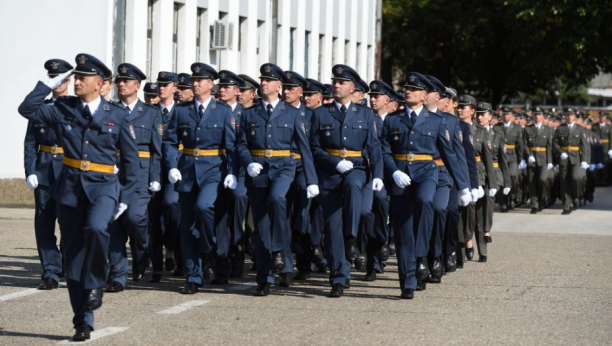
162 74
223 75
197 69
412 79
339 70
54 65
82 60
268 69
374 86
123 70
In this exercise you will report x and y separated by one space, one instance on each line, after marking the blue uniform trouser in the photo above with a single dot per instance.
410 213
197 228
352 189
44 229
133 223
271 222
237 217
424 216
336 211
377 229
300 218
451 231
440 205
165 218
223 233
85 239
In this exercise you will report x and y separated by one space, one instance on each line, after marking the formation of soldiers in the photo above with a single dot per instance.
299 175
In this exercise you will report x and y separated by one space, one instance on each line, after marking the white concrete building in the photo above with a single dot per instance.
306 36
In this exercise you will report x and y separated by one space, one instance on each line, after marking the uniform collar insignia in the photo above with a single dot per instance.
190 106
214 106
354 109
140 108
106 107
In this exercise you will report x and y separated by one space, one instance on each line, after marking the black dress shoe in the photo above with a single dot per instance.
422 271
317 254
285 280
360 262
321 268
407 294
459 264
208 265
236 273
488 239
114 287
136 276
451 263
190 288
347 284
482 258
93 299
350 247
436 271
279 261
469 253
337 291
383 253
156 277
219 279
533 211
392 251
179 270
262 290
48 284
370 276
170 264
421 285
301 275
566 212
82 332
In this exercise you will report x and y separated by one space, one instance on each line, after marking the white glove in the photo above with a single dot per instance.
592 167
492 192
480 192
610 153
254 169
377 184
58 80
401 179
230 182
115 169
465 197
32 181
154 186
120 209
563 156
584 165
174 175
506 190
344 166
312 191
549 166
475 195
600 166
522 164
531 159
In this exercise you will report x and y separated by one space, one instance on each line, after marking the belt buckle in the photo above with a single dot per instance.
54 149
84 166
343 153
196 152
268 153
410 157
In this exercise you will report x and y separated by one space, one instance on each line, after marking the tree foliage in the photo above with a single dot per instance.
495 49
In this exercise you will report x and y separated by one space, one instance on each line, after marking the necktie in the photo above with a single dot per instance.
128 109
413 117
269 109
343 110
87 113
201 111
165 113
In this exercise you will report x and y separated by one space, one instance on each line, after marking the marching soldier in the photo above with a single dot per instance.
91 130
597 161
514 152
538 153
313 93
604 131
150 93
248 91
43 164
266 137
185 94
570 146
206 128
145 122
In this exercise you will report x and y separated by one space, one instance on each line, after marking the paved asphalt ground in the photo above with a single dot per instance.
548 281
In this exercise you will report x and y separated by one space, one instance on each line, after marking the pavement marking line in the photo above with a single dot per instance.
19 294
183 307
241 287
97 334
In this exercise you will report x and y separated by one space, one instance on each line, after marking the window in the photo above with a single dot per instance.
201 12
357 60
321 43
175 37
291 42
335 51
347 50
150 38
306 52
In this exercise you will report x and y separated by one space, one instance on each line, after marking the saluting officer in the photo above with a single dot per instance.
145 123
150 93
410 140
501 179
91 131
514 152
538 152
265 140
570 145
486 176
42 158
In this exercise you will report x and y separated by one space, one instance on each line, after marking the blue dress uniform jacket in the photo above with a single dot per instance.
470 157
215 130
456 136
95 140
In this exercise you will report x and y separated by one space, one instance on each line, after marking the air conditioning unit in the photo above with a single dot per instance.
222 33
